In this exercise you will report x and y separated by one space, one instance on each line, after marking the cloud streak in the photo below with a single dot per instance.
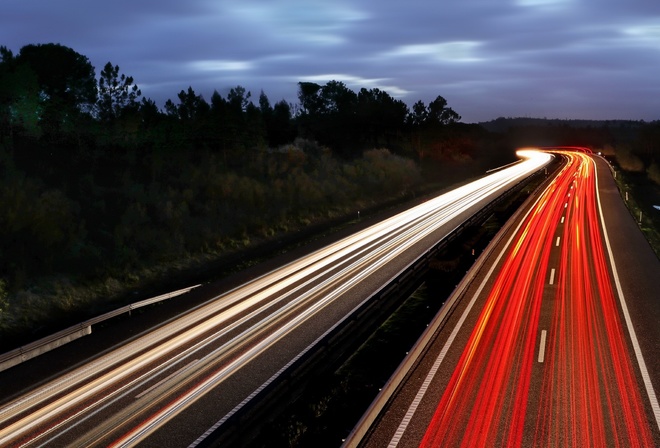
553 58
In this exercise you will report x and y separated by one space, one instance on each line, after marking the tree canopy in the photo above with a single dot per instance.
64 76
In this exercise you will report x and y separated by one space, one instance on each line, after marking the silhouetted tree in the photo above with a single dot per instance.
19 97
419 114
308 95
238 98
381 119
67 83
191 106
117 94
439 113
281 129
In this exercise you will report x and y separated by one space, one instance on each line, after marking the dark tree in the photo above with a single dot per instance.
281 129
238 98
439 113
277 121
339 99
264 104
66 79
191 106
117 93
308 95
19 97
149 113
381 118
419 114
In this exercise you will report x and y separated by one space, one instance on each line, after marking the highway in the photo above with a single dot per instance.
541 349
147 390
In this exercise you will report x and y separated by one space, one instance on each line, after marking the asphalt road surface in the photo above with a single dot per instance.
554 343
167 386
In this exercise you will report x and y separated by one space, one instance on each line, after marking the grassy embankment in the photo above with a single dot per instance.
204 224
641 194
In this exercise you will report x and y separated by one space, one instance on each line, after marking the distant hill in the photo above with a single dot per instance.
502 124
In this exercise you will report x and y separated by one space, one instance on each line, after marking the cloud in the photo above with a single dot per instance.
643 34
221 65
315 22
459 51
543 3
552 57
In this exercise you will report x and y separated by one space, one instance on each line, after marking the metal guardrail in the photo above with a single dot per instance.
379 403
43 345
246 417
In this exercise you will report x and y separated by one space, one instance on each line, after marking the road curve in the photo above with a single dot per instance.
148 391
542 350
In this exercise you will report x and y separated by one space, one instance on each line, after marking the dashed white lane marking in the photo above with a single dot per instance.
542 346
552 276
558 239
398 434
562 220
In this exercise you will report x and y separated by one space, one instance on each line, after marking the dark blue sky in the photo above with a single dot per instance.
595 59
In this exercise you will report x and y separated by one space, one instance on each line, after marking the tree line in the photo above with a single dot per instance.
101 186
50 92
99 182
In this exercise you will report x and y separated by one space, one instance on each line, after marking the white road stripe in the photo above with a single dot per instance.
552 276
558 239
562 220
633 336
542 346
436 365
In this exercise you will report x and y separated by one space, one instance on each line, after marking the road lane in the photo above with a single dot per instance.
133 391
542 355
484 403
591 369
589 394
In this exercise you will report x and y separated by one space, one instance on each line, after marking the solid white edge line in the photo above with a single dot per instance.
394 442
633 336
542 346
552 276
436 365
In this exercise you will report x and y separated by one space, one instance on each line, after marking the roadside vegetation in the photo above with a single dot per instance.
104 193
328 408
639 182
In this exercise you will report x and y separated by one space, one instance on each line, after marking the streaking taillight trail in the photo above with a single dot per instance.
589 395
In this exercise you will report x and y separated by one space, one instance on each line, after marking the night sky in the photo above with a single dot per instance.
591 59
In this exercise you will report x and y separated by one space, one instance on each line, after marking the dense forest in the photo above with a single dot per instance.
102 190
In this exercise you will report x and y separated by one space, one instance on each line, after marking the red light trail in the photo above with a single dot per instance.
589 394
